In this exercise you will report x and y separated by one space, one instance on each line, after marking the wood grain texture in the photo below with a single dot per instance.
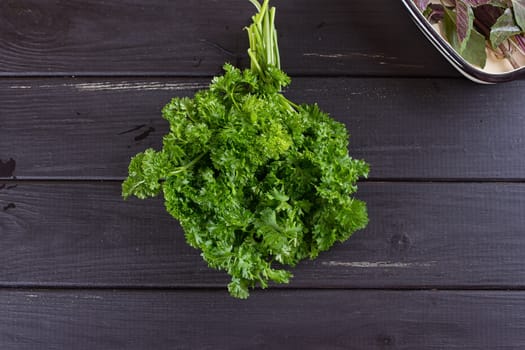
268 320
420 236
119 275
405 128
194 37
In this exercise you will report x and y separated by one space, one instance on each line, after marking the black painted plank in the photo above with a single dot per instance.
158 37
269 320
420 236
406 128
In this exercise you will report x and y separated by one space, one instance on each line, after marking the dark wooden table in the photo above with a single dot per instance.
441 265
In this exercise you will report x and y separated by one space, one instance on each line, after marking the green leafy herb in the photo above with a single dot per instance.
503 29
469 44
257 182
519 12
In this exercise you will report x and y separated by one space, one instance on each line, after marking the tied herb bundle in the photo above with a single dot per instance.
474 26
256 181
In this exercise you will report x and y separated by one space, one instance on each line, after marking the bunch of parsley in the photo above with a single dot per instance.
256 181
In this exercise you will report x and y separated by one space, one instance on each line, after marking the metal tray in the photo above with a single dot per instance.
468 70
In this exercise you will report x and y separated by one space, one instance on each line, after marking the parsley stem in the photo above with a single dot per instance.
256 4
188 165
135 186
293 106
264 48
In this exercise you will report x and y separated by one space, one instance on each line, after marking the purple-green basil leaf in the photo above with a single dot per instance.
474 50
475 3
422 4
500 3
449 28
464 23
503 29
434 13
485 17
519 12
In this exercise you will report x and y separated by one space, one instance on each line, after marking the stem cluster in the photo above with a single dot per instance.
264 48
